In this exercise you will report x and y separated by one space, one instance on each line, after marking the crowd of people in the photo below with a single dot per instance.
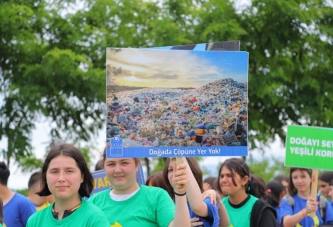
59 195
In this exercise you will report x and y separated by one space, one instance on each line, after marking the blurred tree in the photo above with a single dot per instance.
24 191
44 75
52 62
268 167
290 43
158 164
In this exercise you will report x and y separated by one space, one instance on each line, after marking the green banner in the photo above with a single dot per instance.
309 147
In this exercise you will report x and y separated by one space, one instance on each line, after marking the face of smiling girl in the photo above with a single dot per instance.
301 181
121 172
64 178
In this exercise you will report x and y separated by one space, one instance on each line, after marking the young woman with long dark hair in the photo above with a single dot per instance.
244 209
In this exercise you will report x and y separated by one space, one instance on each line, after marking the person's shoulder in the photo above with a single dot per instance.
153 193
323 202
22 200
19 196
151 189
260 209
290 199
93 214
253 198
39 215
91 207
99 195
224 200
43 206
261 205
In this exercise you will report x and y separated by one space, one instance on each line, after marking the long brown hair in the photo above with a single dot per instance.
259 185
72 152
157 180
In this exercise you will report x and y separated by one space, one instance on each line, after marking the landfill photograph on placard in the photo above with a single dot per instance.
158 98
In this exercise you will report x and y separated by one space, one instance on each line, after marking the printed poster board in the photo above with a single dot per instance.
176 103
100 180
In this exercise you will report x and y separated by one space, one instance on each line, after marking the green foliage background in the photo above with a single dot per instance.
52 61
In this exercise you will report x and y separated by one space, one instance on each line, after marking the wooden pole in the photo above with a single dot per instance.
179 160
314 187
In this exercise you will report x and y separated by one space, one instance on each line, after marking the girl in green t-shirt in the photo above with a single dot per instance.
65 174
128 203
244 209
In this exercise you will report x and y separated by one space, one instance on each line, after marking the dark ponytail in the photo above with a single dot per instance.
274 189
251 189
259 186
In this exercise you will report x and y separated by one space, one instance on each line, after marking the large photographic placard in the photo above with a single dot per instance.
176 103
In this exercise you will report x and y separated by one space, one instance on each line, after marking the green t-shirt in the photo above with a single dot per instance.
239 216
87 215
149 207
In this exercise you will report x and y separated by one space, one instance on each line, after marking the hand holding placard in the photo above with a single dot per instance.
180 176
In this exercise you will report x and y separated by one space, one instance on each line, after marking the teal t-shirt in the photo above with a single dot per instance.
240 215
149 207
87 215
